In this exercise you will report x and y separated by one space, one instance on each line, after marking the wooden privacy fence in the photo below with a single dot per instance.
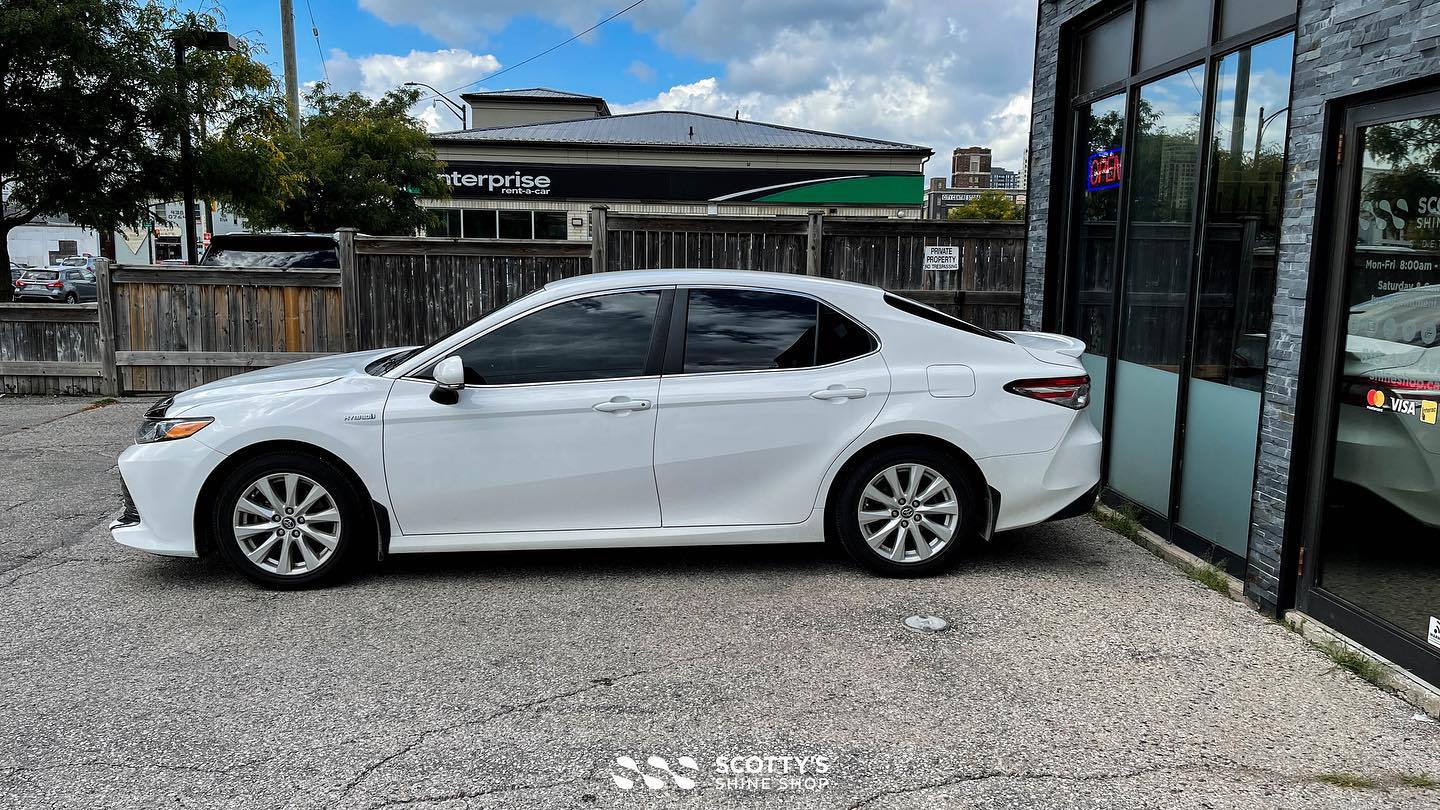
162 329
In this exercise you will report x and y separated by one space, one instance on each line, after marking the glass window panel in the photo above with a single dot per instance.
1105 53
1237 284
1092 283
1157 269
550 225
748 330
841 339
1169 29
1239 16
447 222
515 225
1380 539
479 224
604 337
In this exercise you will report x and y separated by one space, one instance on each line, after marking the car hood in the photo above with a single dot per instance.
278 379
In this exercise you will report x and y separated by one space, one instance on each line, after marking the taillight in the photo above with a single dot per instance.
1071 392
55 285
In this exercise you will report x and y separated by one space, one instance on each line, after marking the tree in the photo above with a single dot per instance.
358 163
93 114
988 204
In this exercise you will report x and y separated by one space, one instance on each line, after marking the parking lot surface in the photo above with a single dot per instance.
1078 671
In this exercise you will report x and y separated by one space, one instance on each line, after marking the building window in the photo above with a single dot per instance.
447 222
479 224
1174 211
516 225
550 225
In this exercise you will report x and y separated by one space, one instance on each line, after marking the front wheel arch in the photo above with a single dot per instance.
209 491
988 495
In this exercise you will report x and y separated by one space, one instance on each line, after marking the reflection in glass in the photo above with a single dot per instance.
602 337
1237 283
1380 540
1157 265
1092 284
447 222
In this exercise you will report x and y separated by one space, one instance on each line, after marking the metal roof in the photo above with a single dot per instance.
676 130
531 92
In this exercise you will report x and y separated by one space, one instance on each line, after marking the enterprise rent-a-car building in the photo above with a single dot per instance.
534 162
1236 204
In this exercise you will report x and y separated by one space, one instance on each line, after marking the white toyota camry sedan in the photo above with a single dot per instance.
644 408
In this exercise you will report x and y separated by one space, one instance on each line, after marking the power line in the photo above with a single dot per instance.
315 32
547 50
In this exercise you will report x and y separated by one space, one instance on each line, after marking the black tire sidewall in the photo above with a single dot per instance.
355 519
70 298
967 532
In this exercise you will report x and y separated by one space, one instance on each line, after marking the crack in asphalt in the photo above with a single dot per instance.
980 776
595 683
450 797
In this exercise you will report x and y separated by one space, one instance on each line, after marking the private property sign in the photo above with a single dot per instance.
938 257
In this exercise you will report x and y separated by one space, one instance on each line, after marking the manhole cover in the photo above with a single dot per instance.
926 624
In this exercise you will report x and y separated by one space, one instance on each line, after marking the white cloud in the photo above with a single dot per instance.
375 74
939 73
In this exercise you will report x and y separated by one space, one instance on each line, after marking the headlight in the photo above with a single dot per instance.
164 430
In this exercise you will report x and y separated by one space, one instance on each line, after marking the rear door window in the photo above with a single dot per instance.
748 330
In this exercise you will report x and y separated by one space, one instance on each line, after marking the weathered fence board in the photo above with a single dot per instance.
49 349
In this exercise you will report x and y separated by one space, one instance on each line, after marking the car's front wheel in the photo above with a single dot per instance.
908 511
291 520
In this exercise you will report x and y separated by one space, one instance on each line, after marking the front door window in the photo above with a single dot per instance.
1380 531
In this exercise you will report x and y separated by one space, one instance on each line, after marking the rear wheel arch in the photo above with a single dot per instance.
210 490
987 493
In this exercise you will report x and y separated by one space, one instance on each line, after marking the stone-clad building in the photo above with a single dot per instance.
1236 204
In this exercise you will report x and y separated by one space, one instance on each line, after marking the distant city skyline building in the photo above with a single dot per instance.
1001 177
970 167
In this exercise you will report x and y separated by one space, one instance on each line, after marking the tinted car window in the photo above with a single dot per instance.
298 259
603 337
840 338
748 330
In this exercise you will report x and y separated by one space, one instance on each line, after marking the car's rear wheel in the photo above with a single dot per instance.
290 520
908 511
70 298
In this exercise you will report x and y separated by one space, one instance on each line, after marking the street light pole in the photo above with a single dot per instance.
458 108
204 41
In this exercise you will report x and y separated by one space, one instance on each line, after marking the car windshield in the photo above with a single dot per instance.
300 259
42 275
74 261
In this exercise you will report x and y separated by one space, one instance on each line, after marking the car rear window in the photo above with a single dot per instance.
301 259
936 316
42 275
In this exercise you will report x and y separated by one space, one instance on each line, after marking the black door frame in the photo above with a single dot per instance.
1331 307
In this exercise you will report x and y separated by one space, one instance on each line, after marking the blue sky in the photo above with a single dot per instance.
940 73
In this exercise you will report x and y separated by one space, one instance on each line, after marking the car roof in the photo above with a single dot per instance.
737 278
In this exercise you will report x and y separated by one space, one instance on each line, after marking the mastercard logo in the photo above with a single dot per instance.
1376 399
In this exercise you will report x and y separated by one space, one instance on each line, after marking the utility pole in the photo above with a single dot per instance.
287 44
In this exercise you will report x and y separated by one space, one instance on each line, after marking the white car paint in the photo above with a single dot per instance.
715 458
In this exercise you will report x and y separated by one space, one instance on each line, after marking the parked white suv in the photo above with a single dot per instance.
628 409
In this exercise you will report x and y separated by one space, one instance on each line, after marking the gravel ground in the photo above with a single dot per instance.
1079 672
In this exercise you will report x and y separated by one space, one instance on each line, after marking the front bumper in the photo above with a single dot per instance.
162 482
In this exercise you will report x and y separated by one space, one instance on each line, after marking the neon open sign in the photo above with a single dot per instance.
1103 170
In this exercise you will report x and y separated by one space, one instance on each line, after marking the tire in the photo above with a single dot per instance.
951 516
321 541
70 298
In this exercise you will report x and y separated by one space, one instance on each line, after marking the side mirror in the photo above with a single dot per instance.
449 381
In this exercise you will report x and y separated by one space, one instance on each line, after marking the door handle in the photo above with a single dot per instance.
839 392
622 404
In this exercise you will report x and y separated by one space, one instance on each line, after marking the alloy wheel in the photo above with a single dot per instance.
286 524
908 513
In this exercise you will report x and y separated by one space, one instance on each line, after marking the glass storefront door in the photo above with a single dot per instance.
1377 540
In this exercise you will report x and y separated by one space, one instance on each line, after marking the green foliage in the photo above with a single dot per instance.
359 163
1419 780
1123 521
1361 666
1211 576
93 113
1347 780
989 204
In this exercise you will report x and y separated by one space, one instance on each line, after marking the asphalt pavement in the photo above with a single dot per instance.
1078 671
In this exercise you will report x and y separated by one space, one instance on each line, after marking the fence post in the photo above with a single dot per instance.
814 236
349 289
105 307
599 238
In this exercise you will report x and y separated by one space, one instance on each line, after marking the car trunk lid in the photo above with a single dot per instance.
1048 347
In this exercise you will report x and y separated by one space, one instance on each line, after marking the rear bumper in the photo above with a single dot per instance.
163 482
1037 487
57 295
